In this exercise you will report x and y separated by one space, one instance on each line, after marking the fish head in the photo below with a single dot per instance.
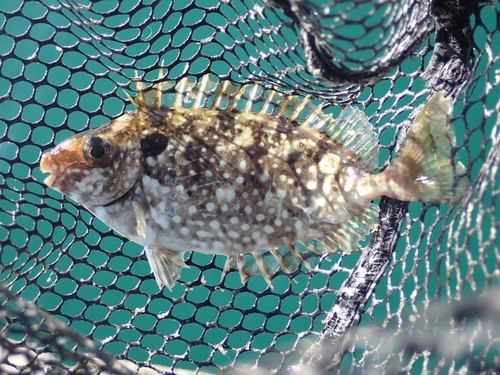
94 167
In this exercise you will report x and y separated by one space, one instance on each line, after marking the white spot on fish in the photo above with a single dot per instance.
320 202
227 194
268 229
214 224
243 137
162 221
311 185
329 164
327 187
218 245
203 234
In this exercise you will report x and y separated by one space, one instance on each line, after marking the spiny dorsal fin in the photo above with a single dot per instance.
351 128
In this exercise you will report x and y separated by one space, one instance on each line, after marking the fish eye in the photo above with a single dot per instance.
98 151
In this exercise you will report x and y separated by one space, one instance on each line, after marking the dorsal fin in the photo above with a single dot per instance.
351 128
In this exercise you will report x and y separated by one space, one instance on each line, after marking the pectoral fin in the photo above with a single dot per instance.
165 264
139 217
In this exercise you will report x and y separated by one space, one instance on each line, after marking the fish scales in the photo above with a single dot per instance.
227 181
227 178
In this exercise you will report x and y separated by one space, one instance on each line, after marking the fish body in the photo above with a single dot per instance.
219 179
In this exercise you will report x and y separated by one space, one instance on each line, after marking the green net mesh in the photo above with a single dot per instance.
420 298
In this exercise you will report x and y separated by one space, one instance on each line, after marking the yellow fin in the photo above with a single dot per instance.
423 169
353 130
346 236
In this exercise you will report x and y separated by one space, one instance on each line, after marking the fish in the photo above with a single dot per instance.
239 170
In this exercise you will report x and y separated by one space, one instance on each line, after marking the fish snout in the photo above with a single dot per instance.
49 164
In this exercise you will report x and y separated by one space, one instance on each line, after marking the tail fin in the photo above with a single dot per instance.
423 169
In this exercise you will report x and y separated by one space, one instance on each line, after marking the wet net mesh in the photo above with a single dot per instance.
420 298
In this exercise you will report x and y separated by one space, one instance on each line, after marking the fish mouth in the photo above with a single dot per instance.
48 164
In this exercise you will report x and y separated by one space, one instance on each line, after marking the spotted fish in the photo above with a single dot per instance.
222 169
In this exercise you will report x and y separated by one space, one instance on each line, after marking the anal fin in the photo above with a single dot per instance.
165 264
346 236
266 263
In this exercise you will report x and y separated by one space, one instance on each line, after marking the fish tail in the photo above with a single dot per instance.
423 169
